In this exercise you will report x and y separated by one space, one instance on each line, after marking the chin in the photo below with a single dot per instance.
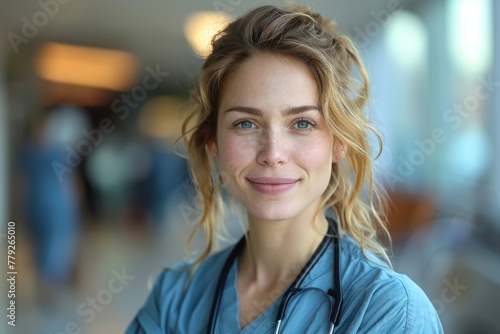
273 214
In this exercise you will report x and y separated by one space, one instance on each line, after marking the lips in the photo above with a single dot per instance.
272 185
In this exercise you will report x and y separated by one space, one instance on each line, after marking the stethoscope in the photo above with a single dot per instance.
294 288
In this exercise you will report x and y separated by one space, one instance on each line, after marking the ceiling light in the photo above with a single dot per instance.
201 27
86 66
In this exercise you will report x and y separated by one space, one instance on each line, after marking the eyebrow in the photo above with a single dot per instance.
258 112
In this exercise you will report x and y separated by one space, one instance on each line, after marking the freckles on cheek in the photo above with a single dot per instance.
320 156
319 160
239 147
233 157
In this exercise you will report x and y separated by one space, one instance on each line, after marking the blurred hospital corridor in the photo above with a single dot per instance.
97 199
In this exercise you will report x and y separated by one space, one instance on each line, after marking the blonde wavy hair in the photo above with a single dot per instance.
300 34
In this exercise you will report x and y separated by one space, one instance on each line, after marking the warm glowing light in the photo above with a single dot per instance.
161 117
201 27
85 66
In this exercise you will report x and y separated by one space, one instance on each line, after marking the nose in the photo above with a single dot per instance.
273 148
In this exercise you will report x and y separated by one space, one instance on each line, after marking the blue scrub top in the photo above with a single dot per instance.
376 300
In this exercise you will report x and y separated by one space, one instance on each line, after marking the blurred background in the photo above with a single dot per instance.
92 94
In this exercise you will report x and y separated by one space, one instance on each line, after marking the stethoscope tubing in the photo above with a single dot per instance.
335 308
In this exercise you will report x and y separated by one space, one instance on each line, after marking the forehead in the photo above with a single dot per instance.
267 81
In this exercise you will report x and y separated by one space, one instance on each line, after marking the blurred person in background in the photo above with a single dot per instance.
280 128
162 176
166 173
110 170
53 214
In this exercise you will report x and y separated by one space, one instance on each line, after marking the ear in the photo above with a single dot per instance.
339 152
213 151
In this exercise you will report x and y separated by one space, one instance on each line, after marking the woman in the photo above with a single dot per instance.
280 122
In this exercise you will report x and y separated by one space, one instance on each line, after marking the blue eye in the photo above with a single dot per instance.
246 124
303 124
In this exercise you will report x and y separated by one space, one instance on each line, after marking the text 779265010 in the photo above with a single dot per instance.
11 273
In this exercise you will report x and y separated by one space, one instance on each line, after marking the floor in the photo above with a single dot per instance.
89 307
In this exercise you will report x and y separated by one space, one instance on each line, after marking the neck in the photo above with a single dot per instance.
277 250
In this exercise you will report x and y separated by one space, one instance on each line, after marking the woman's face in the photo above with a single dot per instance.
273 146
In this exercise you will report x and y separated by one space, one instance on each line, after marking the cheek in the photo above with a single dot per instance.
235 154
319 160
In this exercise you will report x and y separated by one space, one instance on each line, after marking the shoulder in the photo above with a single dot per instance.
183 283
184 273
176 292
377 297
